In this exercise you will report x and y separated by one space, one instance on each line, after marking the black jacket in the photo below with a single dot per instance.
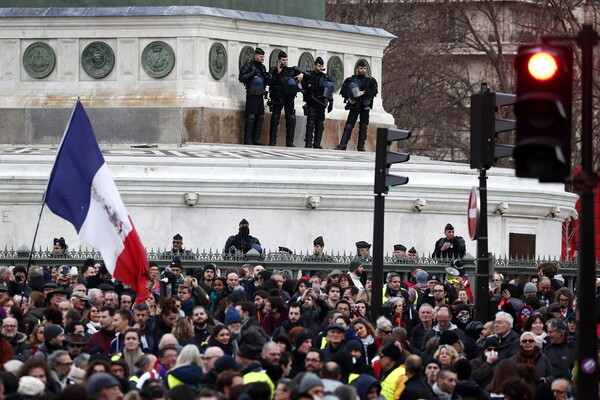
417 388
457 250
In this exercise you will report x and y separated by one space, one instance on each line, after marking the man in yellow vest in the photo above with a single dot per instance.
393 376
252 370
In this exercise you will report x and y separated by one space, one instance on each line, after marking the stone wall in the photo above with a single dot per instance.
183 89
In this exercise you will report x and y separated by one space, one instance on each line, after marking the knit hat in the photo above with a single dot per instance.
491 342
432 360
462 307
248 352
30 386
530 288
449 337
309 381
226 362
354 345
209 266
301 338
99 381
51 331
232 316
422 276
355 263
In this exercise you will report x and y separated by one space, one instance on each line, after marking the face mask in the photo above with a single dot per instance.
244 231
464 319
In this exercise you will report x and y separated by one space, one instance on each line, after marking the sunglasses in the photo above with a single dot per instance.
525 312
491 349
527 341
387 332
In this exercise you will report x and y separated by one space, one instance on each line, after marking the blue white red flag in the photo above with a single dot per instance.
82 191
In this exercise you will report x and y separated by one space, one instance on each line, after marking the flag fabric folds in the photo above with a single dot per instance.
82 191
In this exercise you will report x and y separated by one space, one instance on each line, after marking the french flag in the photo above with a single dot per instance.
82 191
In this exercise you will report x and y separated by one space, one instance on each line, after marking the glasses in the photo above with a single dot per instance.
67 364
525 312
491 349
9 326
177 241
527 341
387 332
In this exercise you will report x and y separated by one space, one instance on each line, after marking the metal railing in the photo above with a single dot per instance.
304 261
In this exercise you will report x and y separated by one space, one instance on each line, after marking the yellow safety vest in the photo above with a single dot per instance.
173 381
352 377
258 377
393 385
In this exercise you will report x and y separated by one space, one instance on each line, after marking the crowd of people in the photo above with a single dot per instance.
73 332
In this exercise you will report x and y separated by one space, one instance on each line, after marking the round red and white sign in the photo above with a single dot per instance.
473 213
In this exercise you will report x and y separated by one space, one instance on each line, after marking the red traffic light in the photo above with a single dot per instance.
542 66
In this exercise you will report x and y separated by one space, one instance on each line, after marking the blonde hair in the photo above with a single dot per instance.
451 351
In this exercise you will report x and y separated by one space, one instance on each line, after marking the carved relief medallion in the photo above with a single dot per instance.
217 60
158 59
97 60
39 60
335 69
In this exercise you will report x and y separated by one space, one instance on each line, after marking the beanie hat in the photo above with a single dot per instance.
51 331
354 345
530 288
422 276
247 351
232 316
491 342
209 266
449 337
309 381
432 360
99 381
301 338
462 307
30 386
355 263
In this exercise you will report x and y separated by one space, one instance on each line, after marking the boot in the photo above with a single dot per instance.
345 137
249 128
318 134
308 138
290 127
273 129
256 132
362 137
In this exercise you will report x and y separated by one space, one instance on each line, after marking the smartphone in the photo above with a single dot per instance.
64 270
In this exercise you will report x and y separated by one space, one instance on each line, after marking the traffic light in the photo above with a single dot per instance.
384 158
543 109
485 126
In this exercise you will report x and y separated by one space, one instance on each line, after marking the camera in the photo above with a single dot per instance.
19 278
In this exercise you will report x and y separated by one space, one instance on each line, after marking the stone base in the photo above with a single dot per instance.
161 125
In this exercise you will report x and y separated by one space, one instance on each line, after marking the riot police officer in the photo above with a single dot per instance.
254 75
358 92
318 94
283 89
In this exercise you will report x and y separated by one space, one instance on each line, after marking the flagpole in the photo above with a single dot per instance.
32 248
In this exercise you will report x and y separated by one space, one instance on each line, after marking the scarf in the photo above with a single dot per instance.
440 393
529 357
131 358
366 342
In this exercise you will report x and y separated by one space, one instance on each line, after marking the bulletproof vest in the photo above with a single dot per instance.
256 85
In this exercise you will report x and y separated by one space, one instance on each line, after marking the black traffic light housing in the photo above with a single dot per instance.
485 126
543 110
384 158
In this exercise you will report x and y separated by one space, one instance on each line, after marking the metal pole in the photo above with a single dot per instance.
587 356
377 279
482 269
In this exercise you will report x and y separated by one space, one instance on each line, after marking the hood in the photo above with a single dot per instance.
451 327
363 383
468 389
189 374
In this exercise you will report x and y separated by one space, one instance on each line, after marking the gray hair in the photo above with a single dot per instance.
426 305
82 360
190 355
391 275
94 294
506 316
35 272
53 358
528 333
383 322
346 392
557 325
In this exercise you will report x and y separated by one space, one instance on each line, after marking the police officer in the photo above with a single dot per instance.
318 95
358 92
254 75
283 90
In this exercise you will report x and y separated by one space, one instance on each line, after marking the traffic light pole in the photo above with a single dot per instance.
482 272
585 182
377 277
